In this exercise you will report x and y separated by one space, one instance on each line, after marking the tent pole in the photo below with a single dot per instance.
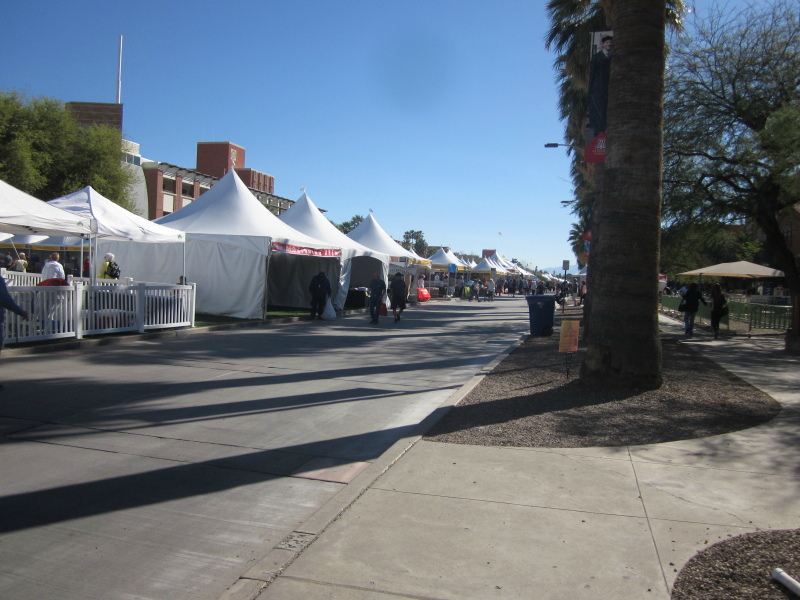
266 285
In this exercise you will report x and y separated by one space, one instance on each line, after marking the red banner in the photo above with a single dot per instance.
289 249
595 151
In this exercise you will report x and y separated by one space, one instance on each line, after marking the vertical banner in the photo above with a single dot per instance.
599 76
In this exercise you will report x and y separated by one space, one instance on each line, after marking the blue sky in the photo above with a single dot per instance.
434 114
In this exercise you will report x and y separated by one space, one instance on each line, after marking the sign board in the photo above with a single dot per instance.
451 268
568 342
565 266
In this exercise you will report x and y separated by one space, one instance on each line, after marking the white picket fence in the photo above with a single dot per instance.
81 309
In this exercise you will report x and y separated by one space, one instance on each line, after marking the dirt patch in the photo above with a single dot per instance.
740 568
528 401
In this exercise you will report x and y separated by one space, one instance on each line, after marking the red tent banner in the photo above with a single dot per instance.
289 249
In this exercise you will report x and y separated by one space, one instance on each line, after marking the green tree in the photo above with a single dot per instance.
416 240
44 153
732 151
348 226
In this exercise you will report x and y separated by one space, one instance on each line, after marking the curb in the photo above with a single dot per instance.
250 585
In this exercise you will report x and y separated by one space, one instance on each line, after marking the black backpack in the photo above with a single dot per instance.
112 271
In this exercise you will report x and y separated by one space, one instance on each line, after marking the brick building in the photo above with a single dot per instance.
170 187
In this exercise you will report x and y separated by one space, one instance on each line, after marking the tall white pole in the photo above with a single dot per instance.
119 73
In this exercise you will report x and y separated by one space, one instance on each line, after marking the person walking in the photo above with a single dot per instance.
691 300
397 293
7 302
490 290
719 308
320 289
377 290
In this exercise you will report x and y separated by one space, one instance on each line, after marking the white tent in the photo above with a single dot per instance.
115 224
24 214
442 259
486 266
241 255
359 263
370 234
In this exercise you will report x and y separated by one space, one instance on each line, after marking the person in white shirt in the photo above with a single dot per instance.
52 268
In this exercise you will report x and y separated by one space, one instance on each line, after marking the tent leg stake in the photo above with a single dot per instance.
568 357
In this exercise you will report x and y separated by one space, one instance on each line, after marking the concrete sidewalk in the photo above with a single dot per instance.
450 521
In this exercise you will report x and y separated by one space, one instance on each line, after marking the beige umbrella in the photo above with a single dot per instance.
736 269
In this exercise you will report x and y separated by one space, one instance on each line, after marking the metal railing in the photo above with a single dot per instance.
756 315
78 310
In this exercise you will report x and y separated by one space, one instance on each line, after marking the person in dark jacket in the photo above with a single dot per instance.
7 302
377 290
719 306
691 299
397 293
320 289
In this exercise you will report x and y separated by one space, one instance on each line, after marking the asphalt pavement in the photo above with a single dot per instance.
189 467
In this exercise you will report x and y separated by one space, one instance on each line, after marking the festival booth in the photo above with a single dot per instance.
358 263
241 256
26 215
368 233
488 267
119 231
442 260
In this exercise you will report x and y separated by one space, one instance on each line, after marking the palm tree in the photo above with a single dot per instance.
572 22
623 345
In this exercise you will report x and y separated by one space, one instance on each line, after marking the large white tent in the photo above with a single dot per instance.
23 214
368 233
487 265
442 259
240 255
115 224
359 263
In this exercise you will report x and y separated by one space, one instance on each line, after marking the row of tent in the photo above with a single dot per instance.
241 256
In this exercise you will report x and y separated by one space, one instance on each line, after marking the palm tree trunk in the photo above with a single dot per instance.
623 345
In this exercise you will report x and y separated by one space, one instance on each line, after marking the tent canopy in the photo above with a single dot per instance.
306 218
359 263
741 268
24 214
442 259
231 210
113 221
370 234
486 266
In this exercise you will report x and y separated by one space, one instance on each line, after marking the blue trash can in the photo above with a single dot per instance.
542 313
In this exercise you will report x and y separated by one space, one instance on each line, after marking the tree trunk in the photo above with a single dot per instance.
768 222
623 346
592 265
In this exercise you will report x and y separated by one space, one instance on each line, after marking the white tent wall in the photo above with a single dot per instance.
290 275
155 263
357 271
230 279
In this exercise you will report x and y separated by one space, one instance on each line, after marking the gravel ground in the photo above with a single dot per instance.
740 568
528 401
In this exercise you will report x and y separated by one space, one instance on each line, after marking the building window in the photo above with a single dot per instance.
168 185
169 202
187 189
